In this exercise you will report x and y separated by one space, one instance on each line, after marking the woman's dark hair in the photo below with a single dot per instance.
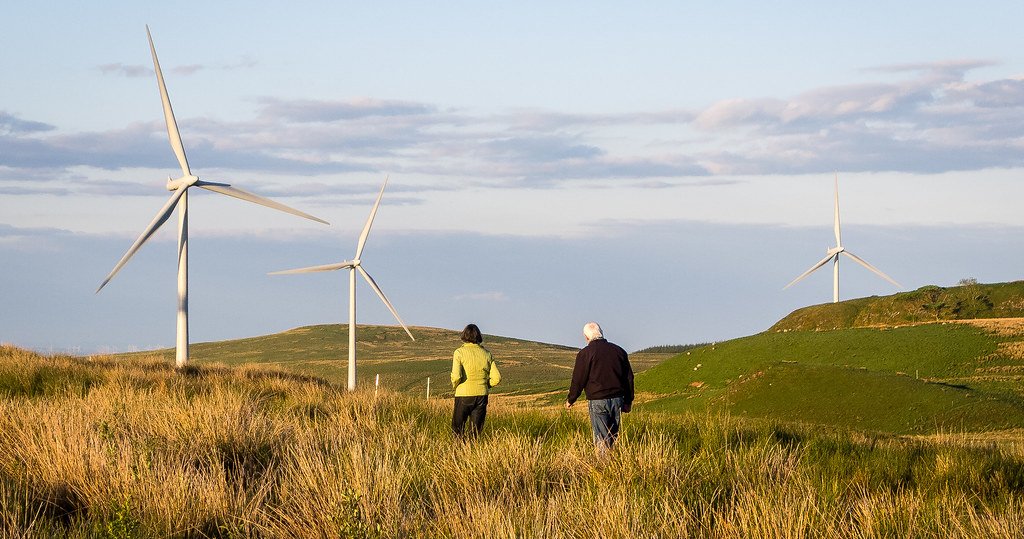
472 334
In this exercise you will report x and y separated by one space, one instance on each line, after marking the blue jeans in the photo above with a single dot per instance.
605 416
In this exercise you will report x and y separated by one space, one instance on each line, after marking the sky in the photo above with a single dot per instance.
663 168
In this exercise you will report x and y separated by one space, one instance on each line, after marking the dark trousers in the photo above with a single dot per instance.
472 408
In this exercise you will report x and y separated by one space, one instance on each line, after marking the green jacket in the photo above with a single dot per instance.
473 371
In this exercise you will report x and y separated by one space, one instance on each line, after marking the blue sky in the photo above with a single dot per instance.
664 168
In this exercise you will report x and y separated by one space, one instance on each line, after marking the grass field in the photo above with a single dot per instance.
528 368
132 448
911 379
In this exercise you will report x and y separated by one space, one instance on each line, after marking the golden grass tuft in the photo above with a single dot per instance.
134 448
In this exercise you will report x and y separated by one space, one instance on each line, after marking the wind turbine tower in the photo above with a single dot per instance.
353 266
179 199
834 253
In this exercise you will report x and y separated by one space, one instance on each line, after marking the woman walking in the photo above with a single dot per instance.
473 374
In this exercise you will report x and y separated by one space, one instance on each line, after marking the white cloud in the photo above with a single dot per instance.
124 70
482 296
306 110
935 121
929 119
140 70
10 123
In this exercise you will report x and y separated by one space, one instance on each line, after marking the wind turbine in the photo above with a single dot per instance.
353 266
179 200
833 254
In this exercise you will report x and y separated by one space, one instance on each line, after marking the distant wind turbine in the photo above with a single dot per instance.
179 200
353 266
833 254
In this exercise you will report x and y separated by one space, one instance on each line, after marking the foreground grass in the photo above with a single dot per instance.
134 449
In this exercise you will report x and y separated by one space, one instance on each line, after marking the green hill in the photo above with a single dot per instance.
926 304
886 369
962 376
527 367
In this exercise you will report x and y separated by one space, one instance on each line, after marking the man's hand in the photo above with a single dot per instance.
626 408
568 405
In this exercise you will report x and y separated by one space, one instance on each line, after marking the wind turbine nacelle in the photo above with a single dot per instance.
182 182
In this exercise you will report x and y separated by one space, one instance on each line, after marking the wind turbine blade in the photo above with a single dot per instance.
160 218
313 269
383 298
172 126
226 189
810 271
877 271
839 234
369 222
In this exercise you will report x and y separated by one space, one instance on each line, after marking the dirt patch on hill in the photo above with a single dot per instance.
1003 327
1012 350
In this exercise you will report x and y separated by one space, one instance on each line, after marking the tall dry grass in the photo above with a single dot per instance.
135 449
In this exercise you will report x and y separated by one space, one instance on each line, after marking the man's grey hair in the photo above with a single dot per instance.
591 330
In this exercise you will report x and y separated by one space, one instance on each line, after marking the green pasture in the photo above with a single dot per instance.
913 379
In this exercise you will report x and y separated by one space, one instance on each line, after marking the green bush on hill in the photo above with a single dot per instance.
670 348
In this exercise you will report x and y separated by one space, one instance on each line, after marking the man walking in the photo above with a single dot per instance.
603 372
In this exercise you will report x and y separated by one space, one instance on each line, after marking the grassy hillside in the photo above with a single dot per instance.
527 367
132 448
926 304
914 379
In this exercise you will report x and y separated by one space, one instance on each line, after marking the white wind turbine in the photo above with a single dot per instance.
833 254
353 266
179 199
